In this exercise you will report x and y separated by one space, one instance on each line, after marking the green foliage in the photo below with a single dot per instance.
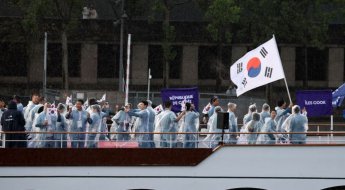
303 21
34 13
222 14
169 36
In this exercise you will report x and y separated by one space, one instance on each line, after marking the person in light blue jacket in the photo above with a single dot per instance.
120 125
30 113
248 117
61 126
190 125
152 117
94 127
232 123
265 113
79 118
214 103
143 118
298 123
45 122
168 124
269 127
254 126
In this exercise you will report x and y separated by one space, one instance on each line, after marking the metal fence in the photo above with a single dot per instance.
169 140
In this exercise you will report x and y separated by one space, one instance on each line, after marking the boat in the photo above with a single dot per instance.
280 166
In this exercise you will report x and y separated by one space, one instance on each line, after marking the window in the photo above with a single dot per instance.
156 62
13 59
175 65
54 60
108 61
317 64
207 61
74 60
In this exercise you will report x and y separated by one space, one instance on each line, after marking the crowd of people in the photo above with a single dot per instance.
45 125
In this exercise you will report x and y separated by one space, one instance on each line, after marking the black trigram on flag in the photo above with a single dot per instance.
268 72
239 67
263 52
244 82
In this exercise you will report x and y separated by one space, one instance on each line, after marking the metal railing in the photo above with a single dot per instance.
166 139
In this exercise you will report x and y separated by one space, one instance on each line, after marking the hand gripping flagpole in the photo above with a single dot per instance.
287 87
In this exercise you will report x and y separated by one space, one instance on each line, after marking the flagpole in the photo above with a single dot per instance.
45 66
148 84
127 70
287 88
286 85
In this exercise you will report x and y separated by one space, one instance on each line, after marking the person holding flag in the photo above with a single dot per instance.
79 118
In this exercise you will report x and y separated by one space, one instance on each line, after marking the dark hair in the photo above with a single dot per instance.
144 102
129 104
213 99
297 109
92 101
60 106
256 116
188 106
12 105
17 98
280 103
42 99
81 101
252 108
167 104
35 94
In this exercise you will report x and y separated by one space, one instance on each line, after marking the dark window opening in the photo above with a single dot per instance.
207 62
108 61
317 64
13 59
54 60
74 60
156 62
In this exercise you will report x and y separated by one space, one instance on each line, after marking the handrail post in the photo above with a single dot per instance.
197 140
318 130
3 140
61 140
331 127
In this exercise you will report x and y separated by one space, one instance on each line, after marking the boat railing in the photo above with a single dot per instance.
169 139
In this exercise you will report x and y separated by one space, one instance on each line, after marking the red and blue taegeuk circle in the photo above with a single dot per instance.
254 67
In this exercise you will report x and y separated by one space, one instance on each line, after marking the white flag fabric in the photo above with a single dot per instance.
86 104
69 100
183 105
104 97
206 108
158 108
257 67
52 112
